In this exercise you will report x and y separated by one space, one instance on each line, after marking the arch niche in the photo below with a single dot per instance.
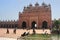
23 24
33 24
44 24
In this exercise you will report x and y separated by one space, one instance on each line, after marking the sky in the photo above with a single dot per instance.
9 9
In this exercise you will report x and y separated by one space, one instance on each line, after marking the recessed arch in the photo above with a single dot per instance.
44 24
23 24
33 24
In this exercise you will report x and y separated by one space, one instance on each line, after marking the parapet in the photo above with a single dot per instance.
30 7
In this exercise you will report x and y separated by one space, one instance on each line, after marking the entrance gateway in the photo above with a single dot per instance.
35 15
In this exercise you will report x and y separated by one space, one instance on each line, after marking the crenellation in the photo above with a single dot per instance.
43 8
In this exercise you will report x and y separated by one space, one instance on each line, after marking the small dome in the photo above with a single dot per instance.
49 5
36 4
43 3
30 5
24 7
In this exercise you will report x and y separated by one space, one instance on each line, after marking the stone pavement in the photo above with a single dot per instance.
19 32
4 38
12 36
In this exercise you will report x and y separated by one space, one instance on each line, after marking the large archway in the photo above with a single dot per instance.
23 24
33 24
44 25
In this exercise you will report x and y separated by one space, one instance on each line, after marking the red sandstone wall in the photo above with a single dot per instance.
38 14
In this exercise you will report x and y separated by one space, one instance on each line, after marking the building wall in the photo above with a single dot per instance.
8 24
35 13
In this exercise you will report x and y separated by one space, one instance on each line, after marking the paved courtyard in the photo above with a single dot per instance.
4 38
19 32
12 36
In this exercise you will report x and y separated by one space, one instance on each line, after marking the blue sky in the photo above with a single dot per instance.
9 9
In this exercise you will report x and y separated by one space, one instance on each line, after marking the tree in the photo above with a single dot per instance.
56 27
56 24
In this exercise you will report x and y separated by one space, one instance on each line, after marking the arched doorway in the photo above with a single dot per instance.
23 24
44 25
33 24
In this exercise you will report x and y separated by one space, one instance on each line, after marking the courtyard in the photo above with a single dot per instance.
38 36
19 32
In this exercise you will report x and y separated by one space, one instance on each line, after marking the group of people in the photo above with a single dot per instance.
13 31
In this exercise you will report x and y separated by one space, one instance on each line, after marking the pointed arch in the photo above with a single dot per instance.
44 24
33 24
23 24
